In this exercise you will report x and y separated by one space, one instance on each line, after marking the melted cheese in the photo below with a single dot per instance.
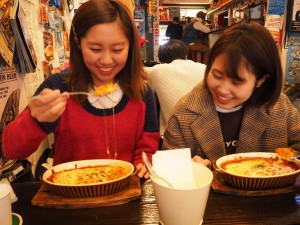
286 152
88 175
258 167
105 89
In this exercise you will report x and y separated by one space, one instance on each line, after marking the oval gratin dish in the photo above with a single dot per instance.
255 182
92 189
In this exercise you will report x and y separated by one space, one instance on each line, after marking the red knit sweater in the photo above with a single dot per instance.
83 133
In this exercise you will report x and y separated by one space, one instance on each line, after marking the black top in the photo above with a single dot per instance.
230 125
174 31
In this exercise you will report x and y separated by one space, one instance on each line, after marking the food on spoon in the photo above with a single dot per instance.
258 166
88 175
105 89
286 152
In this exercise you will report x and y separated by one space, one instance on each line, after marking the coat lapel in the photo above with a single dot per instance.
207 132
254 123
206 128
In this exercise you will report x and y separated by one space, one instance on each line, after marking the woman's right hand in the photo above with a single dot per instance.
49 106
202 161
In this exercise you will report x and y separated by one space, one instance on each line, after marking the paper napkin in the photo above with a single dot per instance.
176 167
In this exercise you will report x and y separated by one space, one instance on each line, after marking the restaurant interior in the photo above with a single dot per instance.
216 198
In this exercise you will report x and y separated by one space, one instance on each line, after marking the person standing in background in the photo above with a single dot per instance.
188 20
174 30
174 78
196 31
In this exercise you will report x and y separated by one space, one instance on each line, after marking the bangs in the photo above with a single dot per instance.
233 59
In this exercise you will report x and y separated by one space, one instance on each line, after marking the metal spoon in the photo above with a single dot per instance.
70 93
153 174
100 91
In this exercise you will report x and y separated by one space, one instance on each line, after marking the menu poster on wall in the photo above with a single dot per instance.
293 64
174 12
274 24
163 13
295 20
7 39
12 97
276 7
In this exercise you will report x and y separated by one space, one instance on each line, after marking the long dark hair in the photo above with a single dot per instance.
253 45
131 78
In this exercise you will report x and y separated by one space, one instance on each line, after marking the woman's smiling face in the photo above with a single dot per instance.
227 92
105 51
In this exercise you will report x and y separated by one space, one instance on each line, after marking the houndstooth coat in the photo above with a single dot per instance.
194 124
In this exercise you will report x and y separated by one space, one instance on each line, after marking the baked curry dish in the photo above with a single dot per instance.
258 166
88 175
105 89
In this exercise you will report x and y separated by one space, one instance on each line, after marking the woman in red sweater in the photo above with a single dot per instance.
104 49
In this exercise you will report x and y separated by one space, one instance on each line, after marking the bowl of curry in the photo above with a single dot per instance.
88 178
257 170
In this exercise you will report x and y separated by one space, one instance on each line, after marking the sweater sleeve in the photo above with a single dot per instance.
55 81
200 26
149 140
22 136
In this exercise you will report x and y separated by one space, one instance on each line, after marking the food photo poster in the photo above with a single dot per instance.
13 98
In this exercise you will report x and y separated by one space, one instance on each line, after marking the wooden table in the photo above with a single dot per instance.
221 209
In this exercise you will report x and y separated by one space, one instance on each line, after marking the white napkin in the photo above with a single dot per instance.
176 167
13 197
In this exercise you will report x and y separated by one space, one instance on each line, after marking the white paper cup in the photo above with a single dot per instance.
182 207
5 205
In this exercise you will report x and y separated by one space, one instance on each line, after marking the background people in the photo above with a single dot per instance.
175 77
174 30
239 106
188 20
104 49
196 31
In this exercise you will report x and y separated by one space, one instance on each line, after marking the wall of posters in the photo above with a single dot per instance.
12 97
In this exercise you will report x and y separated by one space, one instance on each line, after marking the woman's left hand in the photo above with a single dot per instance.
142 171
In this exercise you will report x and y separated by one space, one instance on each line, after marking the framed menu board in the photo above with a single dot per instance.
174 11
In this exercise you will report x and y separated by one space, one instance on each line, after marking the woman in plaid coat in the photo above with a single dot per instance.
239 106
